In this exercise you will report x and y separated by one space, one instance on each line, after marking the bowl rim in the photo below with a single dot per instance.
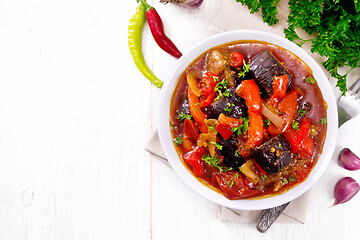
163 116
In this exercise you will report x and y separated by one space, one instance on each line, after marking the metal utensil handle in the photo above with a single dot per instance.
268 217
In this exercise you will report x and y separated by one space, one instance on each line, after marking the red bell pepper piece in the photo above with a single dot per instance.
237 59
193 158
300 140
190 130
255 134
300 135
198 115
249 90
225 124
279 86
208 100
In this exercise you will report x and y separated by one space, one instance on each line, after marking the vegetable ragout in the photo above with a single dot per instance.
248 119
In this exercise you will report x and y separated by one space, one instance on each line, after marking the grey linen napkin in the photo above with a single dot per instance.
296 212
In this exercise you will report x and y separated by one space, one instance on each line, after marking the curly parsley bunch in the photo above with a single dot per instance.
334 26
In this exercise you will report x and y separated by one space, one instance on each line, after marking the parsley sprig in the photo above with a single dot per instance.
222 89
212 161
333 28
241 128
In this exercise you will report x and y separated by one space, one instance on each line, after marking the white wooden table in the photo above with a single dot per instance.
75 115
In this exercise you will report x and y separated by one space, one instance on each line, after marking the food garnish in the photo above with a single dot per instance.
332 26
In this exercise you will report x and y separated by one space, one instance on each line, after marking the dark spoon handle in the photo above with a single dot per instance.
268 217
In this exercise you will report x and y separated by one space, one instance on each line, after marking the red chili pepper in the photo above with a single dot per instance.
237 59
157 30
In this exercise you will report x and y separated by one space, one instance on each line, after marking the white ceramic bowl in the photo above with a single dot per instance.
164 115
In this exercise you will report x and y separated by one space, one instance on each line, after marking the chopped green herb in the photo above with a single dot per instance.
212 161
323 121
183 116
263 176
230 183
310 80
302 112
237 153
178 140
246 69
228 108
332 27
295 125
217 145
285 181
292 178
221 89
228 169
236 175
280 146
242 128
173 126
267 122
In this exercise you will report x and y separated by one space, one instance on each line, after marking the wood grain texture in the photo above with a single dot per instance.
75 116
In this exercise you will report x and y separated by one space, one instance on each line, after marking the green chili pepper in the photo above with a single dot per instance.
134 40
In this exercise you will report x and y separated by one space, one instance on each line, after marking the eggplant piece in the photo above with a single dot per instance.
273 155
264 67
232 106
229 148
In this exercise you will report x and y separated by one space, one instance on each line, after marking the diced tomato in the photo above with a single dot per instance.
307 147
279 86
197 114
225 124
288 107
209 80
190 130
208 84
300 135
208 100
237 59
234 185
249 90
195 161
